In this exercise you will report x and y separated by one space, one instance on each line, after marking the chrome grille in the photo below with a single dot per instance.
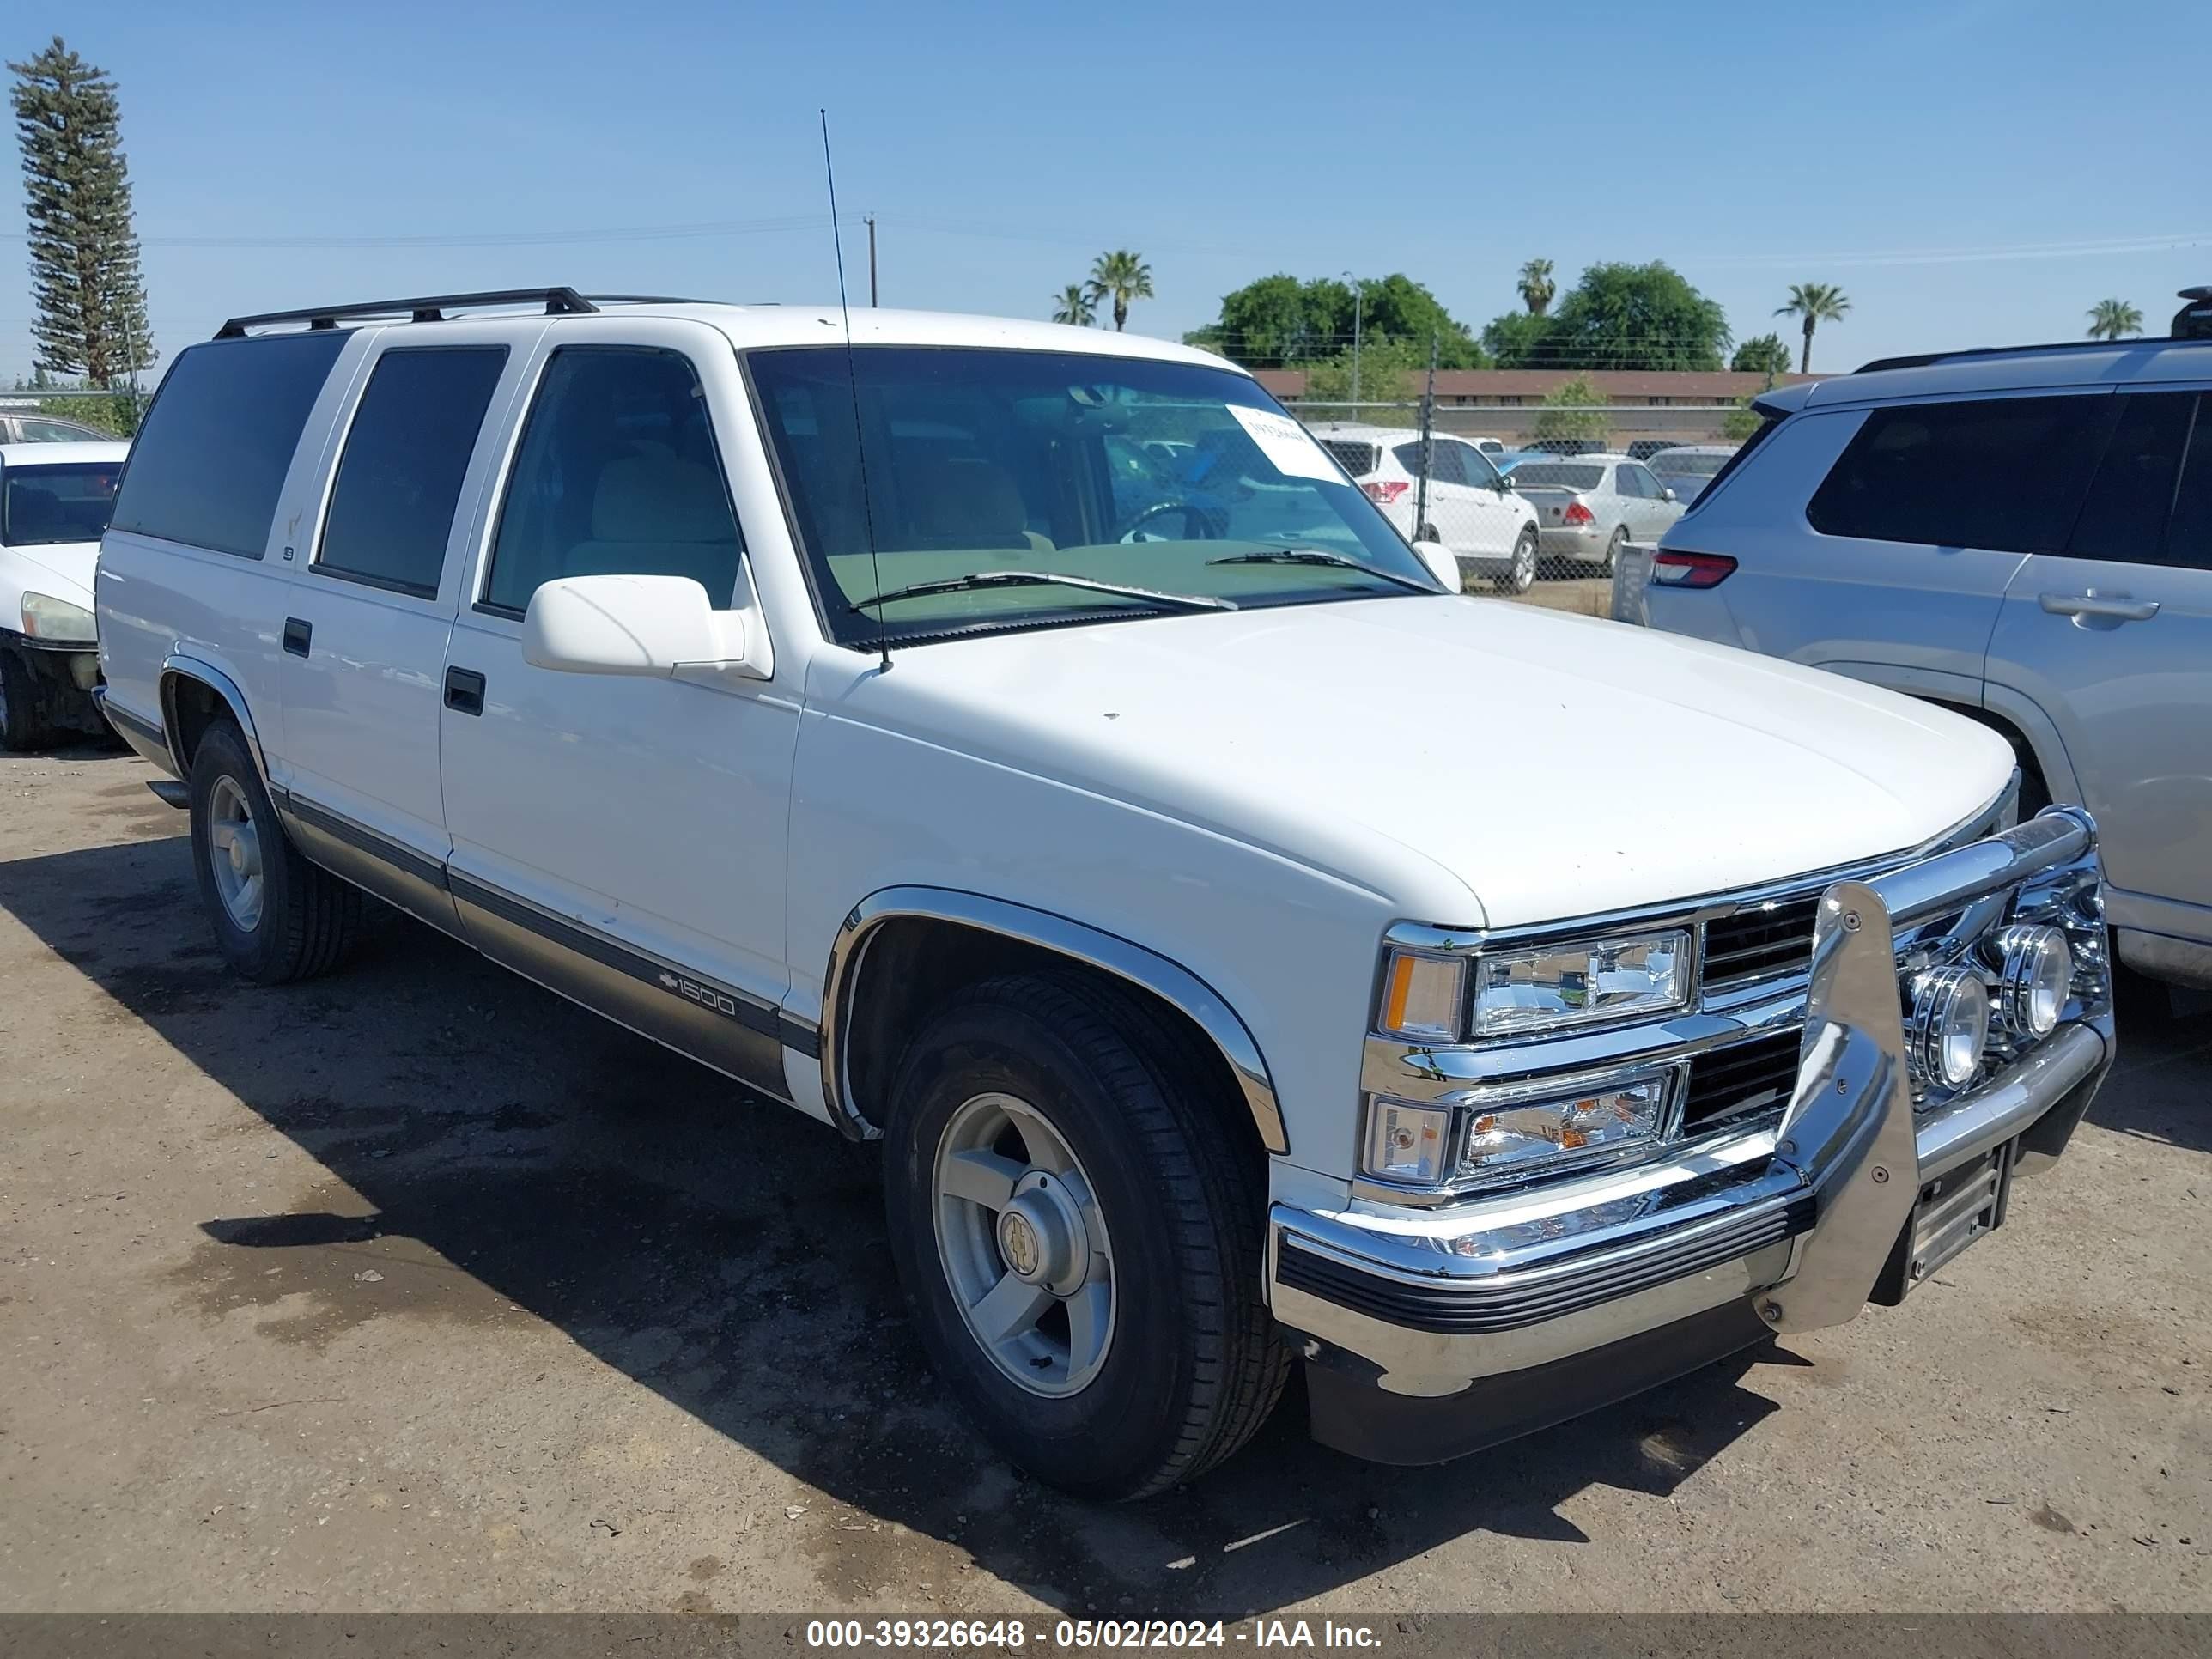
1761 941
1729 1084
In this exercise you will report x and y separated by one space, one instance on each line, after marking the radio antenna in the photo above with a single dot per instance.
853 380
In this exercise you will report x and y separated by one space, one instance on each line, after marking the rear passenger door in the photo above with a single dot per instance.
621 839
364 636
2112 639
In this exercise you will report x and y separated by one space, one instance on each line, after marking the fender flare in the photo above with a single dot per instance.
1109 953
179 666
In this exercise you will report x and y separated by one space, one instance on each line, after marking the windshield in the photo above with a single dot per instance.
42 505
1152 483
1540 473
1688 466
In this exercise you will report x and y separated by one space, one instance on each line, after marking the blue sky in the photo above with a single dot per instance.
1970 171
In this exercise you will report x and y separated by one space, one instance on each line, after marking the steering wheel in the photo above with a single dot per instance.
1203 523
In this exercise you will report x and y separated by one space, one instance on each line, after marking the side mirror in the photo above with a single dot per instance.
1443 563
650 626
1667 495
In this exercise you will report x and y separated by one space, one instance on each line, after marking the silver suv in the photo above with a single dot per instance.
2024 534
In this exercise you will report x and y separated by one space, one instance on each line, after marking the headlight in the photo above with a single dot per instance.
1407 1143
1533 1136
1950 1026
45 617
2039 973
1421 995
1544 987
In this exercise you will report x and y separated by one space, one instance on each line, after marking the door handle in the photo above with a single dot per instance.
2118 606
296 635
464 690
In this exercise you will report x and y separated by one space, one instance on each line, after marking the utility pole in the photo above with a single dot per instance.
1428 439
1359 304
872 258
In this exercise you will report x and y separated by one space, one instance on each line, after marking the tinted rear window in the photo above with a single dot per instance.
1555 476
2005 473
1356 458
392 508
2188 534
209 463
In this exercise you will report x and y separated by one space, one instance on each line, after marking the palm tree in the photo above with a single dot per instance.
1120 277
1817 303
1073 304
1537 287
2114 319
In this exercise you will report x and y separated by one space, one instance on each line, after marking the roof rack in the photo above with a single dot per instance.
430 308
2192 326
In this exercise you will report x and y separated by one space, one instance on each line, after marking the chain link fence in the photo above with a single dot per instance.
1538 502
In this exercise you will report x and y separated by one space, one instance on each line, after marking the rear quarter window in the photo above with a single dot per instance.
207 467
2002 473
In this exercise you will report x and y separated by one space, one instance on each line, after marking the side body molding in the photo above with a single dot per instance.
177 667
1107 951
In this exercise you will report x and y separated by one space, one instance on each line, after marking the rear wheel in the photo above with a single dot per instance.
1612 547
1078 1237
22 722
276 916
1521 570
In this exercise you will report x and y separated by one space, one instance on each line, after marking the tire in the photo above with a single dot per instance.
1520 575
1192 1363
21 723
1620 539
304 919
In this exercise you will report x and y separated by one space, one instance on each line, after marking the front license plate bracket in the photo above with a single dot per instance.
1954 1211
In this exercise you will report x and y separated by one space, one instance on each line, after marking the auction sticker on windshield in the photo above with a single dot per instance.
1287 444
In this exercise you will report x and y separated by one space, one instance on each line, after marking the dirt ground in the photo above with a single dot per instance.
415 1288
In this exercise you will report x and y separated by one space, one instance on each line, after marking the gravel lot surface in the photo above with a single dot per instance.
415 1288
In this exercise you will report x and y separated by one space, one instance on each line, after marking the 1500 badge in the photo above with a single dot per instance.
705 995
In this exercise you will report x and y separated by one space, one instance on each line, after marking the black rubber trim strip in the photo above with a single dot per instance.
1480 1311
366 840
123 717
749 1011
800 1036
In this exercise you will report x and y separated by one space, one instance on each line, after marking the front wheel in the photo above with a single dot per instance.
1521 570
1079 1236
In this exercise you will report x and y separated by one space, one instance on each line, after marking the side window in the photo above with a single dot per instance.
1475 467
1646 485
616 474
2005 473
56 432
1444 460
209 464
1625 483
399 480
2125 517
2189 532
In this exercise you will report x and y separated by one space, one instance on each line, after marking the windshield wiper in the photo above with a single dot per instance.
1314 555
1042 578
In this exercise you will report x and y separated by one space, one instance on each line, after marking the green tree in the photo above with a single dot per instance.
1518 340
1567 411
1073 305
1815 303
1536 286
1739 422
1648 316
1280 322
2114 319
1120 277
1391 370
86 288
1764 354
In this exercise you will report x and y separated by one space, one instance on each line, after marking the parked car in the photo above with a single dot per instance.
54 501
1591 506
1689 468
2022 534
25 424
1471 509
1644 448
802 701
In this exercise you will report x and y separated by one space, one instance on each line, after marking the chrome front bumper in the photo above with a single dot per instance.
1799 1221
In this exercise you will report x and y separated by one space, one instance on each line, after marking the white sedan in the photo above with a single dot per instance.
54 502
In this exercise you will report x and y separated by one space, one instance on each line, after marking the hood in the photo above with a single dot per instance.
1474 761
62 569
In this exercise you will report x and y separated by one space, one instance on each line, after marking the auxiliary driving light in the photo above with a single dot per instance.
1950 1025
2038 972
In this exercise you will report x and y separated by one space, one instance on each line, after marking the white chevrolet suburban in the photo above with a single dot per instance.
832 709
